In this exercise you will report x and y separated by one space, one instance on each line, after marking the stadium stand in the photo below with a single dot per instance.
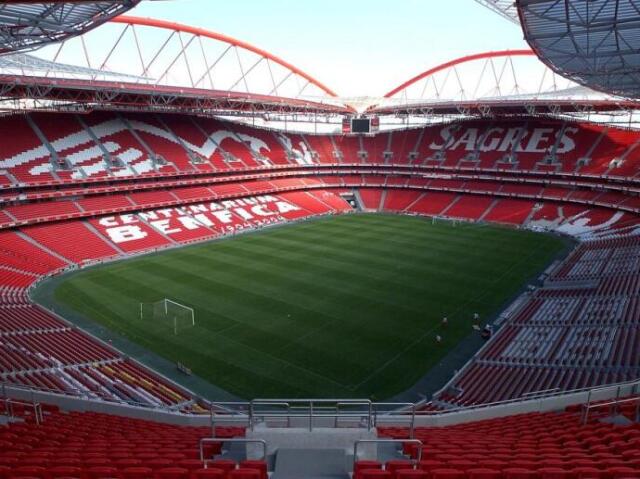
140 182
577 331
102 161
535 445
95 445
46 442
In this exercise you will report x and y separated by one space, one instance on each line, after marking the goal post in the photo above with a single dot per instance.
169 313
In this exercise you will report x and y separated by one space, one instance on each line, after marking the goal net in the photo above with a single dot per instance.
169 314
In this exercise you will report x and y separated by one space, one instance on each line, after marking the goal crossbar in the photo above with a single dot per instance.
167 302
168 310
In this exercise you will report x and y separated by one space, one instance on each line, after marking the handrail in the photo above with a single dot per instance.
315 400
542 391
401 408
633 384
37 408
230 409
307 406
267 403
378 441
227 412
616 402
369 406
215 440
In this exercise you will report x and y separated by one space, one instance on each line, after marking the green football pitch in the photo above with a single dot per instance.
347 306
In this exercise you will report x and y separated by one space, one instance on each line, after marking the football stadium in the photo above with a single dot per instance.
215 264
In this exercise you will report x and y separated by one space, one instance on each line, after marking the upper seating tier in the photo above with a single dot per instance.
104 144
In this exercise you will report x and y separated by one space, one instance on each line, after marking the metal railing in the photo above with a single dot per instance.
222 440
311 410
630 388
540 393
613 408
391 409
363 411
36 406
220 412
389 441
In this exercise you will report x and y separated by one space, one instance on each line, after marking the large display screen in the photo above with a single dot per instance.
360 125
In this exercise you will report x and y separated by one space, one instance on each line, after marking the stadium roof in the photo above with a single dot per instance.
504 8
171 67
594 43
28 25
25 64
175 67
507 82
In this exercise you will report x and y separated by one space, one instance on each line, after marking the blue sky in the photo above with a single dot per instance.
356 47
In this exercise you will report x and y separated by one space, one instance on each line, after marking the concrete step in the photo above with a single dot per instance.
311 464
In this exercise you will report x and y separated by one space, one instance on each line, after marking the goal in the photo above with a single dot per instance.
169 313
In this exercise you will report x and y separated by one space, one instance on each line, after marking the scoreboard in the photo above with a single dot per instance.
360 125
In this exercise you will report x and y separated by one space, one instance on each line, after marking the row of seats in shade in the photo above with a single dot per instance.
400 469
222 469
89 445
527 446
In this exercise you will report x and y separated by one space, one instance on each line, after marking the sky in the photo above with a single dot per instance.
355 47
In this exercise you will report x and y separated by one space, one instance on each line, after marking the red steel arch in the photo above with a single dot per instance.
458 61
178 27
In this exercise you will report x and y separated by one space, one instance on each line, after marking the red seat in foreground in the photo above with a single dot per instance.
256 464
210 473
244 473
483 473
411 474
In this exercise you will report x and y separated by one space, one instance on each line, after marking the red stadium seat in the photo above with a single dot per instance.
128 462
447 473
430 464
137 472
411 474
96 462
64 471
210 473
172 473
374 474
622 473
396 464
190 464
159 463
553 473
29 471
224 464
362 465
256 464
101 472
519 473
244 473
587 473
462 464
483 473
